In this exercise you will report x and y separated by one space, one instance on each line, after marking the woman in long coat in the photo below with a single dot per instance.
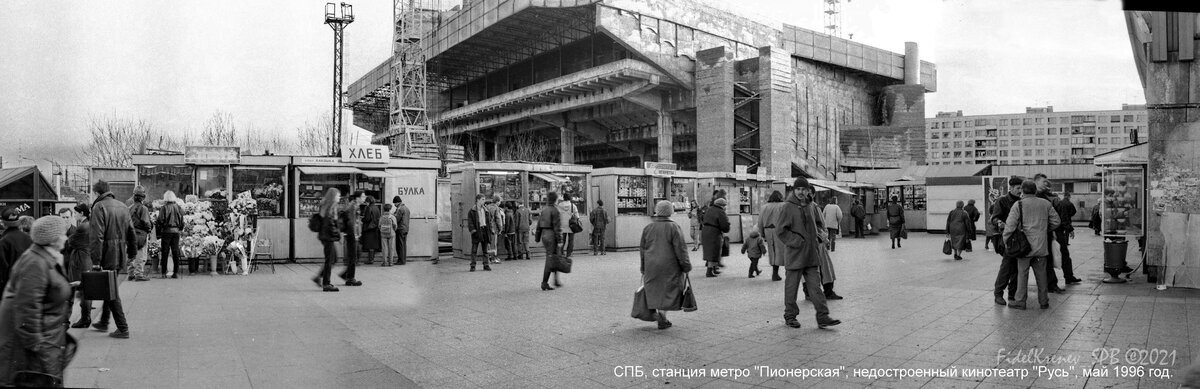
78 259
35 309
712 235
665 263
370 241
958 228
766 227
895 217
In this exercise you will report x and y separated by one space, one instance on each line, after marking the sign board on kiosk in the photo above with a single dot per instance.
661 169
741 172
212 155
365 154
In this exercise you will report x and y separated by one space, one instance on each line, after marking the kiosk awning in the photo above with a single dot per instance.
329 170
828 185
374 173
549 177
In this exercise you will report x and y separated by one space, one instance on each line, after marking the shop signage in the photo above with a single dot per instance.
741 172
365 154
212 155
319 161
23 207
417 189
661 169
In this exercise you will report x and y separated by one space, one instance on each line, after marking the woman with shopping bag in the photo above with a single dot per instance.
664 267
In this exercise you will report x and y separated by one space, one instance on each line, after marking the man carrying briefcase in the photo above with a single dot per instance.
113 241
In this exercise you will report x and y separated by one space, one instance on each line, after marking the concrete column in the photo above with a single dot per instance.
912 64
566 141
481 150
776 112
714 110
666 137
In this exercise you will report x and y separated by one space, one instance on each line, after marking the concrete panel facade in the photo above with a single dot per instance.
714 110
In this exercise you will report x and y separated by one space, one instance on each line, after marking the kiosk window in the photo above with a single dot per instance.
313 187
210 179
266 184
158 179
631 195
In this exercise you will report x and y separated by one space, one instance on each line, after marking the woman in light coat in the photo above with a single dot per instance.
665 263
766 228
35 311
567 210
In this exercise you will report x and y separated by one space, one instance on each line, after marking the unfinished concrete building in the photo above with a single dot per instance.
614 83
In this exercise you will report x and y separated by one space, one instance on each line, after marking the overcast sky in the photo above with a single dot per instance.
269 62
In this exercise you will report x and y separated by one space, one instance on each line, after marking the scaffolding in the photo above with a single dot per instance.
833 17
409 130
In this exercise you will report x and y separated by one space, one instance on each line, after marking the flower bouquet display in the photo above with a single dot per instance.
199 233
243 216
267 199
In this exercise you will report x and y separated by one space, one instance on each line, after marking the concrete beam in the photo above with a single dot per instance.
557 106
648 100
666 137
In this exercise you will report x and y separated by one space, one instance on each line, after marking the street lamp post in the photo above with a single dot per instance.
338 23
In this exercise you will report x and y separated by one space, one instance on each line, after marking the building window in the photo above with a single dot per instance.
1051 120
1040 162
1003 143
1039 153
958 134
1039 142
945 135
1051 131
1027 121
1116 140
934 135
1064 141
1027 142
1102 141
1028 153
1028 132
1115 119
1003 132
1003 122
1040 121
1003 153
957 124
1090 119
945 145
1053 152
1103 130
1041 131
1128 118
957 154
957 145
1141 118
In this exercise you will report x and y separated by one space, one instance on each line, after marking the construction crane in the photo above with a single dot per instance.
833 17
409 130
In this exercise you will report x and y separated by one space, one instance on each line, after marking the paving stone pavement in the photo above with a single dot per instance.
440 326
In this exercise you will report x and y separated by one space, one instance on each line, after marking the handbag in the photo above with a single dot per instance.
641 310
574 225
724 246
99 284
967 245
689 298
903 232
946 247
563 264
1017 245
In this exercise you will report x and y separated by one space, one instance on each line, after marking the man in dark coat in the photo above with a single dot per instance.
799 227
895 218
523 221
478 224
973 214
1063 236
402 218
13 243
140 214
599 220
548 227
349 216
1006 278
859 214
113 241
1043 184
712 235
370 240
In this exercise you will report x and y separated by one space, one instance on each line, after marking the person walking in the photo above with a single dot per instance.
990 233
13 243
478 224
1036 217
832 214
77 255
859 214
352 230
496 221
798 228
141 229
329 233
387 235
35 311
548 232
694 212
958 229
510 232
1094 223
170 225
754 247
895 217
972 211
523 223
402 218
767 220
1044 192
1064 233
712 235
664 263
566 211
1006 277
599 220
370 239
113 241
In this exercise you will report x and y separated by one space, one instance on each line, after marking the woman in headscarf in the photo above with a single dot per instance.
958 227
548 226
665 263
370 240
35 309
766 228
712 235
895 218
78 259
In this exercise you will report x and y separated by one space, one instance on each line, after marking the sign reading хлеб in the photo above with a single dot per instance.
660 169
365 154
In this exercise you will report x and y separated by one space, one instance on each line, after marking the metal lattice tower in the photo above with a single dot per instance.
833 17
409 129
338 24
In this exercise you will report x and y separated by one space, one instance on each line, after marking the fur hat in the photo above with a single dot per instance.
48 229
139 190
11 216
721 202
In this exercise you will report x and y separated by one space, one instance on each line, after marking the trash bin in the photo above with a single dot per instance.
1114 260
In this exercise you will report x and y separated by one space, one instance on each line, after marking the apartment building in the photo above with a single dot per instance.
1039 136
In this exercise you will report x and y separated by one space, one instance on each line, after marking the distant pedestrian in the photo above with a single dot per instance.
1006 277
387 235
832 214
524 220
972 211
712 235
768 219
169 227
402 218
599 220
141 229
510 232
567 210
1094 223
1064 234
370 239
694 213
859 214
33 314
895 217
329 233
1044 192
664 263
496 220
479 226
77 255
1035 216
958 228
754 247
798 228
13 243
113 242
548 232
351 226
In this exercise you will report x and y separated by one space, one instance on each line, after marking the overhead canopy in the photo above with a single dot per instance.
823 185
1132 155
374 173
549 177
329 170
25 182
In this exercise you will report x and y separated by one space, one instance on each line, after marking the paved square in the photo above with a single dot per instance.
440 326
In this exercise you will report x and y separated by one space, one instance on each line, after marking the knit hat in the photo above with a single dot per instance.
721 202
139 190
48 229
664 208
396 199
802 182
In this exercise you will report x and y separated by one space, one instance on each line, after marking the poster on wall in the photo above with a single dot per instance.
418 190
994 187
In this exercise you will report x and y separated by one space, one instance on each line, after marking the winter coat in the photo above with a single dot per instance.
972 212
510 223
1066 212
832 216
523 220
599 219
34 316
1038 218
351 225
858 212
798 228
754 247
331 229
767 220
566 210
113 239
479 233
549 219
712 232
170 219
895 215
664 258
78 251
1000 211
402 218
959 227
140 216
370 230
387 226
12 245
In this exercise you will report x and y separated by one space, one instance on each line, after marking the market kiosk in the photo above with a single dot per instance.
26 190
745 193
516 182
629 196
837 193
367 168
911 194
1123 215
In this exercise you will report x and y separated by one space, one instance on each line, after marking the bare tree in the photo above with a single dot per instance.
219 130
312 138
113 140
524 147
